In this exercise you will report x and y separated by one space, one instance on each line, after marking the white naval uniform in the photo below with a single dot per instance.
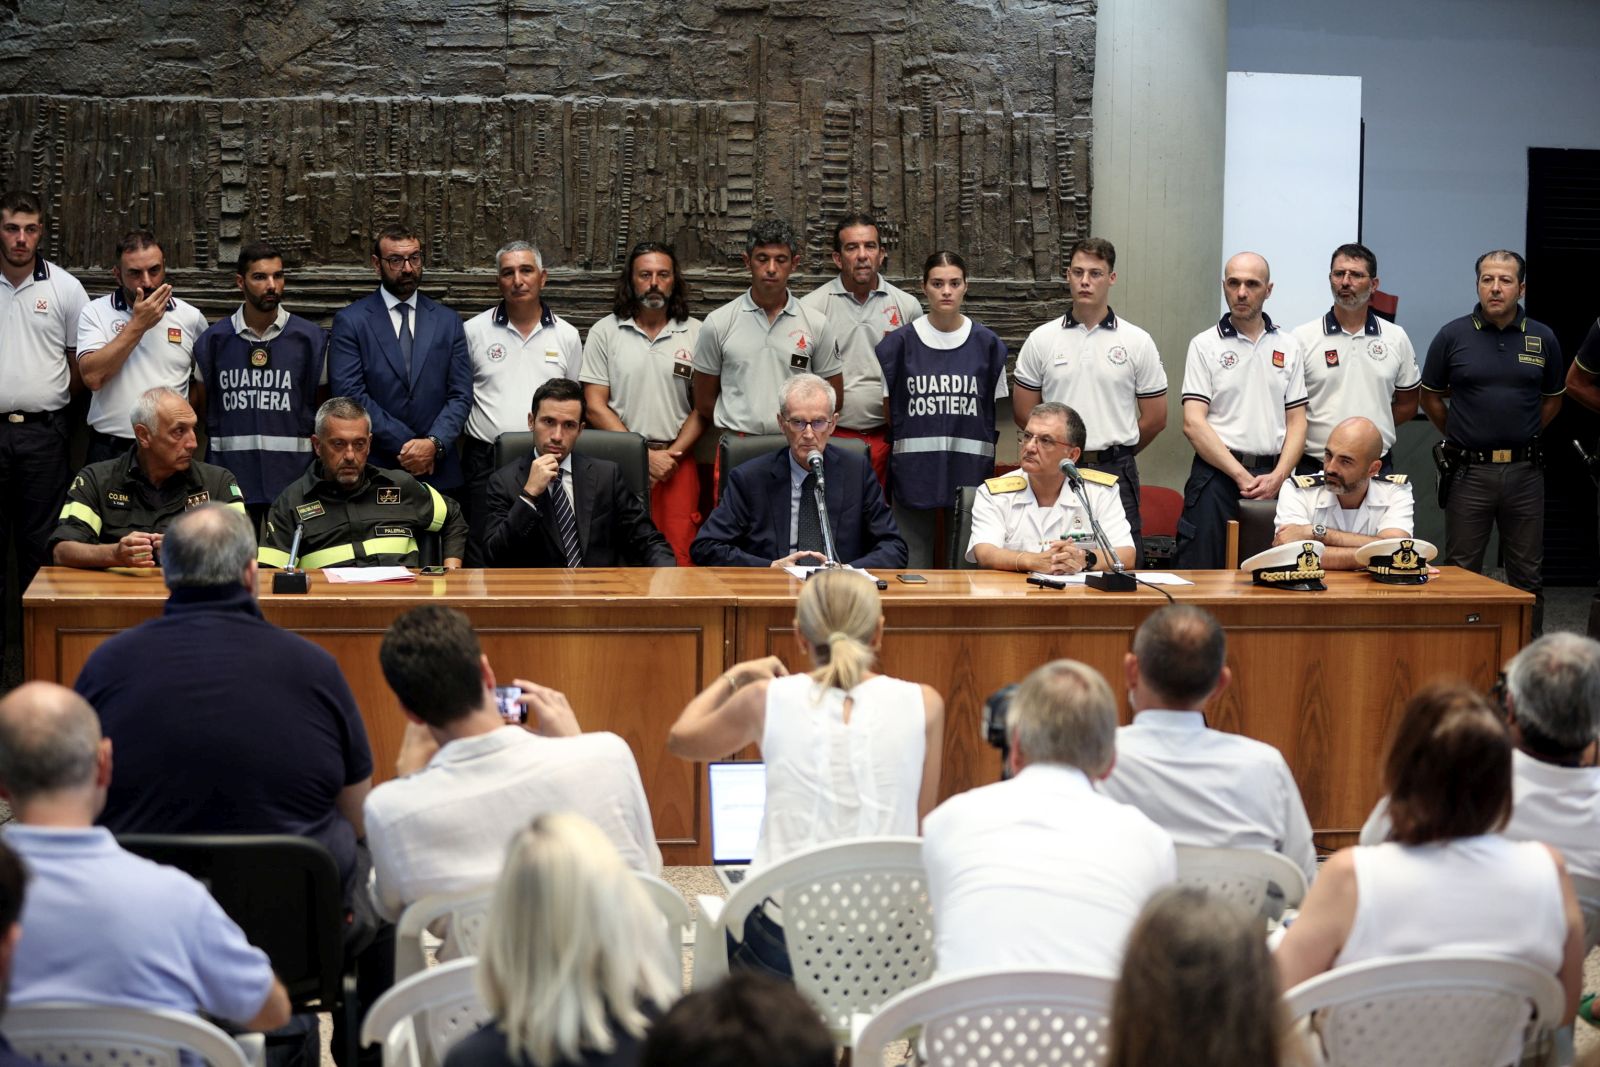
1012 519
1354 374
1306 500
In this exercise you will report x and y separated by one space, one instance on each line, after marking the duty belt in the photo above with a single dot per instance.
1247 459
1106 455
1498 455
28 416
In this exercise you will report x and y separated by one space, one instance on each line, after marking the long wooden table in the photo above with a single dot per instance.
1319 675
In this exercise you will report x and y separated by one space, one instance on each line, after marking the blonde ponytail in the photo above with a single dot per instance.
838 615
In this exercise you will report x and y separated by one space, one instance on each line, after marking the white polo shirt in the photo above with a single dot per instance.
856 329
1100 370
1249 385
1354 374
38 324
1306 500
507 367
165 356
754 358
650 378
1005 513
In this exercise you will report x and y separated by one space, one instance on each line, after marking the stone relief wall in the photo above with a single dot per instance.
584 126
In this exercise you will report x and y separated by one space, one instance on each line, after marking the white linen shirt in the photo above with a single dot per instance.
1100 370
1039 871
1387 506
1016 522
38 327
1247 385
507 368
164 356
856 328
1211 788
1354 374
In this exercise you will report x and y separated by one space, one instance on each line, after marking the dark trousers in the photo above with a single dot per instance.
477 464
103 446
1210 499
1510 495
34 473
1121 463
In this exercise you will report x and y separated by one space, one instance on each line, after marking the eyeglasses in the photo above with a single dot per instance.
396 262
815 425
1025 438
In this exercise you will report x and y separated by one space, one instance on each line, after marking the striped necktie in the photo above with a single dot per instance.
565 522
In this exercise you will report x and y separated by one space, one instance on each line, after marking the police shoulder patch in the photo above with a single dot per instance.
1007 483
1099 477
1309 481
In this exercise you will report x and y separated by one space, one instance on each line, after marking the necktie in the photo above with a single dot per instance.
565 522
405 335
809 530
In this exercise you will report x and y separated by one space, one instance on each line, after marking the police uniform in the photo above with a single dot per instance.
1249 387
373 525
1006 514
1349 374
1498 380
38 325
164 356
1100 370
754 357
1306 500
261 399
650 384
113 498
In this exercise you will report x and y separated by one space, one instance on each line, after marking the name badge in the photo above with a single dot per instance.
117 500
388 494
799 361
682 370
552 355
310 511
391 531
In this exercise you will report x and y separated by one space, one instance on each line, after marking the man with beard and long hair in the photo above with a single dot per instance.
1348 504
638 363
261 366
1356 362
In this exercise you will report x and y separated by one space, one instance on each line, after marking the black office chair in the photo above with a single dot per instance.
626 449
955 551
1257 525
286 895
734 450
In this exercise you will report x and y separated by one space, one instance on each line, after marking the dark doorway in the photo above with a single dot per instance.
1563 253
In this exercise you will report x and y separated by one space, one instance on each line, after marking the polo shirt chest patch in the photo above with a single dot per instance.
1117 355
1331 356
801 359
1228 359
1377 349
683 364
174 335
496 352
41 305
1277 359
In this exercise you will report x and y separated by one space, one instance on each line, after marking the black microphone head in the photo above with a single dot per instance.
814 460
1070 469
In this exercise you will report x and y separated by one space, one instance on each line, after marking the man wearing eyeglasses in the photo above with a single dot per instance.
404 359
1356 362
1033 520
768 516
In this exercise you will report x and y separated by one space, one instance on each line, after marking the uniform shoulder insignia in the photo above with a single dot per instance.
1397 479
1007 483
1309 481
1099 477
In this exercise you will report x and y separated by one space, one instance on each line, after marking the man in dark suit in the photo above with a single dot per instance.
768 515
404 359
554 508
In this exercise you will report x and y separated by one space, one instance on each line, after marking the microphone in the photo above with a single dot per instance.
1112 578
290 579
1070 469
814 461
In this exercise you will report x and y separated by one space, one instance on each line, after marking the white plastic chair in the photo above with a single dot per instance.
1242 875
1588 893
1433 1010
670 903
855 916
997 1017
466 912
419 1019
105 1036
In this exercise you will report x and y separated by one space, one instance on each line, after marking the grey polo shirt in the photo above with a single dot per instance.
856 328
754 358
649 378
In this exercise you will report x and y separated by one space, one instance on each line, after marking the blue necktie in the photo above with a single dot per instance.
565 522
405 335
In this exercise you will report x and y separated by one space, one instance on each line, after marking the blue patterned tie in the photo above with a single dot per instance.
565 521
405 335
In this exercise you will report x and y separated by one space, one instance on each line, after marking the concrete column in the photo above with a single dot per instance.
1160 96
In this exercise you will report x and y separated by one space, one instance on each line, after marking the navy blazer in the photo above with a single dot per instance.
365 364
750 525
614 529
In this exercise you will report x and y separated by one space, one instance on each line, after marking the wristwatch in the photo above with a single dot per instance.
1319 531
437 444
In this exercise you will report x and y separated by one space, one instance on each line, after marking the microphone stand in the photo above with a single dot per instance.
291 580
1114 579
814 461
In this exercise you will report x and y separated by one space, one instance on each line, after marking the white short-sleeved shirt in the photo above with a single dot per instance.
650 379
165 356
754 358
1211 788
856 328
1306 501
38 325
1012 518
1100 370
1039 871
507 367
1354 374
1248 385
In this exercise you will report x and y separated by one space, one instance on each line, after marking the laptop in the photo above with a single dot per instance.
738 792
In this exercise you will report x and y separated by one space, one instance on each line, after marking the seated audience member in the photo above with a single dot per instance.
1203 786
1033 520
1184 940
1349 504
356 514
12 880
768 515
118 509
102 925
578 966
1551 699
467 780
745 1019
1040 870
1446 880
557 508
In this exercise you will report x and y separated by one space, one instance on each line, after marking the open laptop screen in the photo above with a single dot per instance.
738 798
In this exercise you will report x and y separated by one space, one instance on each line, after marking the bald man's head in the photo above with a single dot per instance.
1246 283
49 741
1249 262
1353 455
